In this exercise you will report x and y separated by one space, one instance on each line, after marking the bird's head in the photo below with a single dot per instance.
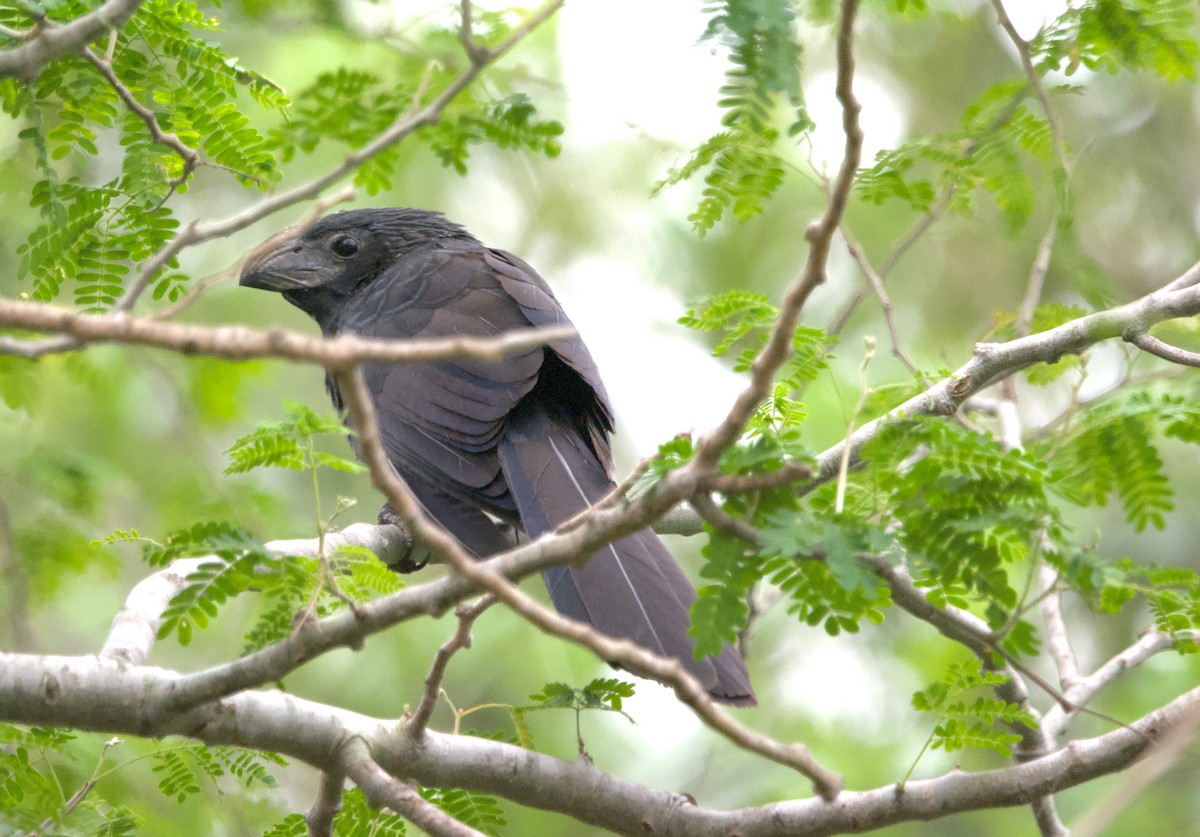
318 266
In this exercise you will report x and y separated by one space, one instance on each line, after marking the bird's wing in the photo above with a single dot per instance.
592 414
440 420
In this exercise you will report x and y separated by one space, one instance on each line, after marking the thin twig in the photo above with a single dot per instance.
723 521
1037 277
1085 687
885 301
198 233
791 471
922 225
820 236
189 155
240 343
76 798
319 207
467 614
1035 81
1163 350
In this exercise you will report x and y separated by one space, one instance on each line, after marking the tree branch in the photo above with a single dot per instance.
319 818
48 40
1081 691
240 343
384 790
1163 350
1058 643
189 156
437 672
885 302
993 362
91 693
820 236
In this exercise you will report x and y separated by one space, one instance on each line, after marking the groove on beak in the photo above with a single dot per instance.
279 264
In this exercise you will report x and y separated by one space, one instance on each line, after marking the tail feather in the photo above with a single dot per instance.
631 588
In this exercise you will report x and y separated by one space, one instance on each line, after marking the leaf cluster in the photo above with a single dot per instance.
356 818
353 107
604 694
288 443
1172 595
998 143
185 769
814 562
1113 450
743 163
971 723
744 321
1115 35
92 233
967 518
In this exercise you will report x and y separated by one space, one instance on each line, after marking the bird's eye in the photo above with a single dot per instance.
344 246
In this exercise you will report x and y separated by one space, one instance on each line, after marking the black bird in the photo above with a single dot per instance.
525 439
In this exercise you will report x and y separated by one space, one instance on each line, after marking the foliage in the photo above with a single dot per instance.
352 107
91 233
602 694
1114 35
95 440
970 724
996 141
1112 450
184 769
743 162
289 444
477 810
605 694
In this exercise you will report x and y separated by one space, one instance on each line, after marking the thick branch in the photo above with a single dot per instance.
90 693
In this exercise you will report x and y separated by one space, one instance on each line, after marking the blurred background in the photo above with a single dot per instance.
118 437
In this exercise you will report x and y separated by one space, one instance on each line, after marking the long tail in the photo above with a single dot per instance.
632 588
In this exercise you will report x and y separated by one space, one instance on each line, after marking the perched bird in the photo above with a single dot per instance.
525 439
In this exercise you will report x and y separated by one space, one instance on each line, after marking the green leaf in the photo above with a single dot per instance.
475 810
744 167
1111 450
1115 35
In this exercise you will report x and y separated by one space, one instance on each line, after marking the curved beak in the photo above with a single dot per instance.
281 263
